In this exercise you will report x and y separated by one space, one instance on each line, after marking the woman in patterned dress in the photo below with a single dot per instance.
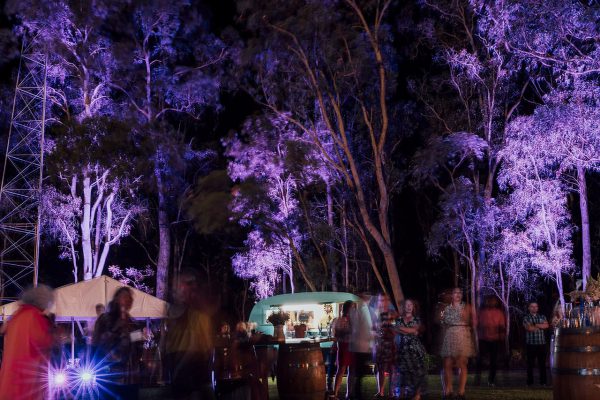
409 369
457 343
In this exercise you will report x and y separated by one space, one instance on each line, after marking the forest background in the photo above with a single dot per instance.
277 146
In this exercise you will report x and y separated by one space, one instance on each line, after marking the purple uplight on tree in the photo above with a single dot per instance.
133 276
154 40
91 205
336 69
268 197
566 131
262 264
539 228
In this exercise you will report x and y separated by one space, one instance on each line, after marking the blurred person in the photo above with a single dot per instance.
114 342
342 331
535 342
28 341
457 343
224 334
492 332
236 366
241 331
409 368
384 343
189 340
100 309
361 345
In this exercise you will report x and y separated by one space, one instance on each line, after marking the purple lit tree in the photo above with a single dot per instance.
89 202
79 59
561 38
469 103
555 34
161 74
567 133
93 202
272 166
541 230
133 276
333 63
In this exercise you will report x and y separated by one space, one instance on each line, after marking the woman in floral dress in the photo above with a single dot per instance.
409 370
457 343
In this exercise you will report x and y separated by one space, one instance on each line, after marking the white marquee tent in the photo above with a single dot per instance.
77 301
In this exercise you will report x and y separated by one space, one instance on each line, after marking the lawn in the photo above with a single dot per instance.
510 386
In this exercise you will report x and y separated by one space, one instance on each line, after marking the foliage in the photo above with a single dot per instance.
92 201
133 276
540 228
278 318
591 292
329 68
208 203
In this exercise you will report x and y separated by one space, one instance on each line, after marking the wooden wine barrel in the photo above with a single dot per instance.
576 363
301 372
236 361
150 367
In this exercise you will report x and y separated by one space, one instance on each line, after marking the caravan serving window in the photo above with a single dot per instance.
316 316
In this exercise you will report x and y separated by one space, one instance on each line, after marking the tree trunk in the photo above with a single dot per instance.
456 267
330 256
585 226
86 240
345 247
164 240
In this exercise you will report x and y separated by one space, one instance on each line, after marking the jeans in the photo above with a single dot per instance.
539 352
490 348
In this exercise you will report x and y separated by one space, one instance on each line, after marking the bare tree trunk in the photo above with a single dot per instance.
345 247
291 268
164 241
332 113
330 256
585 226
456 267
365 241
86 240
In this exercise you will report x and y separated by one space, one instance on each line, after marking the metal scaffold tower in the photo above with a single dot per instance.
21 182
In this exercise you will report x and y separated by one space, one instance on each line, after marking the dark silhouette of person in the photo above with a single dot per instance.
113 344
492 332
189 340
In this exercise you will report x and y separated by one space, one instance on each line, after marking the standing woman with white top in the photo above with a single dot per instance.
457 343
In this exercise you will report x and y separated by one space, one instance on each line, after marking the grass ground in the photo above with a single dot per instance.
510 386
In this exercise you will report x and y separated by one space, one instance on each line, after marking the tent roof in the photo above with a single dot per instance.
78 300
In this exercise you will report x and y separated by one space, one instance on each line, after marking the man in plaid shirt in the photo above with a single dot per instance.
535 341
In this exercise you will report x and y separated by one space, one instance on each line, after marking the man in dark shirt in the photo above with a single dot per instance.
535 341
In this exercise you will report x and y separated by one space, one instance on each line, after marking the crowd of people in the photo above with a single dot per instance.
201 362
398 352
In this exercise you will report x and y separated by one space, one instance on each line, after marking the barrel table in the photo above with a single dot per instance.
575 362
301 371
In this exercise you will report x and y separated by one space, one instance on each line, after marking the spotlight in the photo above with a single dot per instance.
86 376
60 378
